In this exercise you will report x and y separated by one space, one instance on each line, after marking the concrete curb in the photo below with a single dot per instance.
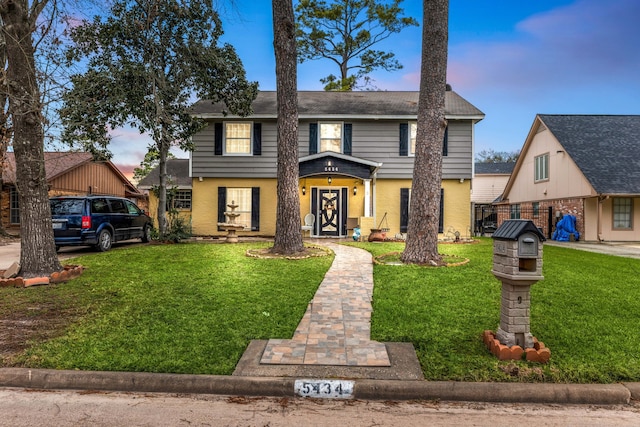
48 379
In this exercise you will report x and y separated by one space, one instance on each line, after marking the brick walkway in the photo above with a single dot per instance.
335 330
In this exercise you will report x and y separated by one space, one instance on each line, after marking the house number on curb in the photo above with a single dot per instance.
332 389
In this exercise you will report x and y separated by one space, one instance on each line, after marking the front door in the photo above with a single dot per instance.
330 212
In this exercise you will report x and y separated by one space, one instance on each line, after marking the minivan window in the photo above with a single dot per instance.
99 206
133 209
117 206
67 206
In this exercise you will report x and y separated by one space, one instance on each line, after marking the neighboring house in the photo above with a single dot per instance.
68 173
356 152
489 181
178 188
584 165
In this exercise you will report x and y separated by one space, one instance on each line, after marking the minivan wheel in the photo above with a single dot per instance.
146 234
104 241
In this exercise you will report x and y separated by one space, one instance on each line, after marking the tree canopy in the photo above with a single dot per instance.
491 156
345 32
145 63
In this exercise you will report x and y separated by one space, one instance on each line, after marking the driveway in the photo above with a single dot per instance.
626 249
10 252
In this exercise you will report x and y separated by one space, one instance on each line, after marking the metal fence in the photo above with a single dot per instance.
488 218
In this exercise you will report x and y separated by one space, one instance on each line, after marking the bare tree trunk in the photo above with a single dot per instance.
38 254
422 233
288 238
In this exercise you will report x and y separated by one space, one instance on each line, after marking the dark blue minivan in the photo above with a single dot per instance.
97 220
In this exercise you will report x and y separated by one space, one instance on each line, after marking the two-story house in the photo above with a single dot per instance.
355 163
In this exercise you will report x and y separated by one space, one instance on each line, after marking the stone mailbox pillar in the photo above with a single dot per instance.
517 263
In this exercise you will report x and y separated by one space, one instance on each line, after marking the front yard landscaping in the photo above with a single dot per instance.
194 308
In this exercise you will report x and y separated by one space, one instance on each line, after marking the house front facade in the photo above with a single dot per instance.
587 166
355 155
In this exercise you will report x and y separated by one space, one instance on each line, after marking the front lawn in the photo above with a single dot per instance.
193 308
186 308
586 310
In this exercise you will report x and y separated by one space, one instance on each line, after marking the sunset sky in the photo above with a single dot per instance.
511 59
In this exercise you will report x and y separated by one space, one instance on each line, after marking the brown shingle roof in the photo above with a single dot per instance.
55 164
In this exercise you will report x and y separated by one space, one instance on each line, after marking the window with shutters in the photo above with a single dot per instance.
237 138
330 137
242 198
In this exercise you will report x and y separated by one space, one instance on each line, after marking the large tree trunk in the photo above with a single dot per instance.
163 148
422 233
38 254
288 238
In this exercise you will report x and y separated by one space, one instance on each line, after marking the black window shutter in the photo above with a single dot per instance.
255 209
404 210
445 143
404 139
217 128
441 220
257 139
347 139
222 205
313 138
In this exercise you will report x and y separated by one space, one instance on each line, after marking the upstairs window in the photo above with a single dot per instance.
622 213
408 132
541 167
237 138
331 137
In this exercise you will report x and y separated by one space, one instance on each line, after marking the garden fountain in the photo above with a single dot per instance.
230 226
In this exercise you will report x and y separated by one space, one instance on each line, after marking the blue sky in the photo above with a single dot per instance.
511 59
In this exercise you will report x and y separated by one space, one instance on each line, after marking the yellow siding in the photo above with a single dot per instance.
152 210
205 205
457 202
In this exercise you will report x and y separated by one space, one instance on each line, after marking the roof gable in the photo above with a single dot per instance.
391 104
58 163
605 148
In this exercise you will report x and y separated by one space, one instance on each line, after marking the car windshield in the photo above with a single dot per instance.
66 206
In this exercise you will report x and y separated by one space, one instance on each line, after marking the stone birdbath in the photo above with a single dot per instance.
230 226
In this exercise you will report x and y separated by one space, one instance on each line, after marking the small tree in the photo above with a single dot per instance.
422 232
345 32
288 238
145 62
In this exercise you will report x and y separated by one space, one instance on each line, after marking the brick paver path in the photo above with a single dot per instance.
336 328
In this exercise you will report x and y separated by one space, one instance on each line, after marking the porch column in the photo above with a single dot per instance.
367 197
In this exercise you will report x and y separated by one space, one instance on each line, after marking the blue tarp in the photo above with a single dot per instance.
565 227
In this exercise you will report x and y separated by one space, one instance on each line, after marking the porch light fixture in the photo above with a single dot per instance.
329 180
304 190
355 190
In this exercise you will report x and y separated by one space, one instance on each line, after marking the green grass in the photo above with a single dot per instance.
586 310
193 308
188 308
